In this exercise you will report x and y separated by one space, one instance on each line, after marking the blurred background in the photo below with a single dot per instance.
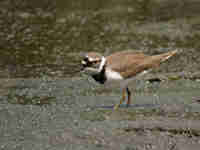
44 37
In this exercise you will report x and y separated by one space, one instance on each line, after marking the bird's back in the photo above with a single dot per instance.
130 63
124 61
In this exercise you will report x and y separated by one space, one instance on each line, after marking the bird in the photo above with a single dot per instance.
121 67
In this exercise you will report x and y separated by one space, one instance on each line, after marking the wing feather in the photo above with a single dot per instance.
130 60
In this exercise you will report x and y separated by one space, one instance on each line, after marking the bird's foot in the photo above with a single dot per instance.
116 106
128 105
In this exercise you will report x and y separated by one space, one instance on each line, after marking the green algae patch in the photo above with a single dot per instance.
110 114
134 114
185 132
26 100
96 115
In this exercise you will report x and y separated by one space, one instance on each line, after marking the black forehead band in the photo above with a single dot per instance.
86 59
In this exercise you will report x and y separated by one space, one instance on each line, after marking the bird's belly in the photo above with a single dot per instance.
112 75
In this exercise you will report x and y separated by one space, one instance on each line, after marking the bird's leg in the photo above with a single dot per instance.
129 97
122 99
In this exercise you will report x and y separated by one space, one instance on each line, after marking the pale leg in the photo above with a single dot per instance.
122 99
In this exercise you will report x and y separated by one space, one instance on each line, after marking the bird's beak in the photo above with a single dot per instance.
87 64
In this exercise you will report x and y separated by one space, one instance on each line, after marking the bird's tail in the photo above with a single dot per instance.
156 60
166 56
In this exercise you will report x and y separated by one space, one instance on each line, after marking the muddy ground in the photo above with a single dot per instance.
46 103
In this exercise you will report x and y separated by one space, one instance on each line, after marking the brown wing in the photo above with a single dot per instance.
126 62
131 63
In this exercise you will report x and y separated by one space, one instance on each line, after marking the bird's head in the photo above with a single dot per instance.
92 62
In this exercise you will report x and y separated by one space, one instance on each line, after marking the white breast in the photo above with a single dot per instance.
112 75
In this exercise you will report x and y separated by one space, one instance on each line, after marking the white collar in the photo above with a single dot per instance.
102 64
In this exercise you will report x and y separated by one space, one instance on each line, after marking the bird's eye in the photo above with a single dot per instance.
96 61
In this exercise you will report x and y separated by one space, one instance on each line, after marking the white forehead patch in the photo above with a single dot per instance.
91 59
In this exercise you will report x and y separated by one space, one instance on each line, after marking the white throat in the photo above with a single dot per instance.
102 64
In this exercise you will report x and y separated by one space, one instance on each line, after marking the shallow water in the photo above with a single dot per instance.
74 112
